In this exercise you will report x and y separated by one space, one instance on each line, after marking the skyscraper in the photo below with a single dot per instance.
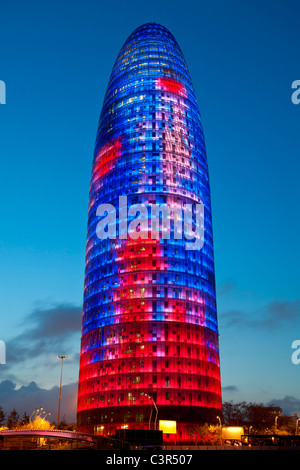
149 347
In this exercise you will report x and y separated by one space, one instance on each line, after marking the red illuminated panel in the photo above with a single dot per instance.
106 157
140 255
171 85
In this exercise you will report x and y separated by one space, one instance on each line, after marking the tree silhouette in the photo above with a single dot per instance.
13 419
2 416
25 419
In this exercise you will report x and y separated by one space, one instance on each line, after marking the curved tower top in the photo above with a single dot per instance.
151 50
165 56
149 325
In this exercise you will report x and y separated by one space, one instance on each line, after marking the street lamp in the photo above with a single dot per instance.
62 360
150 415
45 414
34 411
276 419
44 418
151 398
40 411
220 427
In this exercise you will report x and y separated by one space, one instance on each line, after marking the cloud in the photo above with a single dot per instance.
282 311
45 331
230 388
55 321
226 287
288 404
30 397
274 315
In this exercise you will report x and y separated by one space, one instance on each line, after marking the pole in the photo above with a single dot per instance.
150 418
34 411
155 414
151 398
62 360
220 429
276 418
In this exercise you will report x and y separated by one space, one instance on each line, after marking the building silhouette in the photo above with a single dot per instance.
149 347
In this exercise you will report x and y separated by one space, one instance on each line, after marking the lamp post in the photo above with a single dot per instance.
45 414
220 428
44 418
62 360
151 398
34 411
41 410
276 419
150 416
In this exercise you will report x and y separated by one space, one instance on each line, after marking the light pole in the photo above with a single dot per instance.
276 419
150 416
44 418
45 414
40 411
62 360
151 398
34 411
220 428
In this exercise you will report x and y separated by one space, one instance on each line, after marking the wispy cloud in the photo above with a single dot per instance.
227 286
45 330
230 388
274 315
288 404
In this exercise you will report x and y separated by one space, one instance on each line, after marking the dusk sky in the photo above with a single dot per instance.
56 59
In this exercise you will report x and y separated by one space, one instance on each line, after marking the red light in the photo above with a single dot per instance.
171 85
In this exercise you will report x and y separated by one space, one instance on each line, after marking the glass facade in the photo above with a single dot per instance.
149 325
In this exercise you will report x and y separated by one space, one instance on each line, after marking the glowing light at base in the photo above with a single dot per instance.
168 427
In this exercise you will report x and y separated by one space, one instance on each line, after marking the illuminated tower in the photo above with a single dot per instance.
149 325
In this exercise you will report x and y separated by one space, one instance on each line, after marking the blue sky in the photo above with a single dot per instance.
56 59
